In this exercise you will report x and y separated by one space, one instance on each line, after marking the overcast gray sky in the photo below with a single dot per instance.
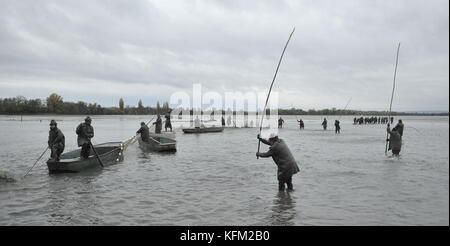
99 51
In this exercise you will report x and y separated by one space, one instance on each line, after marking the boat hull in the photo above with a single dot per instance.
109 153
167 145
203 130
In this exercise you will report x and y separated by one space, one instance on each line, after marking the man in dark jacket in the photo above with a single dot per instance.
56 141
324 124
158 124
400 127
223 121
301 124
168 123
85 132
395 140
144 131
280 122
282 156
337 126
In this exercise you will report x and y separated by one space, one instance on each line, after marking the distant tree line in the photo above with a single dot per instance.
54 104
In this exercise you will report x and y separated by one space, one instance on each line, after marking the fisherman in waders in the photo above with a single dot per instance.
168 123
223 121
324 124
337 126
85 132
158 124
400 127
145 132
280 122
395 140
56 141
301 124
282 156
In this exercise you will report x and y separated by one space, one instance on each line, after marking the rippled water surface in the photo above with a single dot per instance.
215 179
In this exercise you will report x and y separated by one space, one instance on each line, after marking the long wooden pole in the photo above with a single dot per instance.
270 89
392 97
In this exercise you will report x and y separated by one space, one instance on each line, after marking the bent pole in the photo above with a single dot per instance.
392 97
270 89
349 100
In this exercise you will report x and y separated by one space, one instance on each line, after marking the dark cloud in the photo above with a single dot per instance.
150 49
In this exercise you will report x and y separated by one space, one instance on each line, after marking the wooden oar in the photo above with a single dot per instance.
36 161
95 152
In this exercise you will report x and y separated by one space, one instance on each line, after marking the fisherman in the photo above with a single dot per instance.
229 120
282 156
337 126
197 122
168 123
395 140
158 124
56 141
223 121
392 119
85 132
145 132
301 124
400 127
280 122
324 124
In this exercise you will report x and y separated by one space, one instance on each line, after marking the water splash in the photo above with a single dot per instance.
8 177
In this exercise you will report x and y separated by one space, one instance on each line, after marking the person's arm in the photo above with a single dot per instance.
265 154
263 140
49 141
139 131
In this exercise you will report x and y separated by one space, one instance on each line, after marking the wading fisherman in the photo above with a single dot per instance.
85 132
158 124
223 121
337 126
168 123
324 124
280 122
395 140
144 131
400 127
56 141
301 124
282 156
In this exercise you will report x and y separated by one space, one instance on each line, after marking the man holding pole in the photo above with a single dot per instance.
56 141
282 156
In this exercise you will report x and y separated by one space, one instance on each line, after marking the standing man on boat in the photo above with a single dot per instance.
324 124
168 123
395 140
223 121
56 141
85 132
229 120
145 132
337 126
158 124
282 156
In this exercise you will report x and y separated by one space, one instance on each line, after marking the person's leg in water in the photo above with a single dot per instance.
395 152
290 186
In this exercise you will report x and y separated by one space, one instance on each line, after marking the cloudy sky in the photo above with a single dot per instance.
99 51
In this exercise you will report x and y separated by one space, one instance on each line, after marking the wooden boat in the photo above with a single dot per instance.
163 134
70 162
160 144
203 129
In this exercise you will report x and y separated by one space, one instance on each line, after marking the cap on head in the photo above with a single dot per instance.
142 123
53 123
88 119
400 121
273 135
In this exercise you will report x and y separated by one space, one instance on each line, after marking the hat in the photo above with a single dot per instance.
273 135
88 119
142 123
53 123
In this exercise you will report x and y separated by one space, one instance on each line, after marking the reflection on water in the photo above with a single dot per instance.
283 210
